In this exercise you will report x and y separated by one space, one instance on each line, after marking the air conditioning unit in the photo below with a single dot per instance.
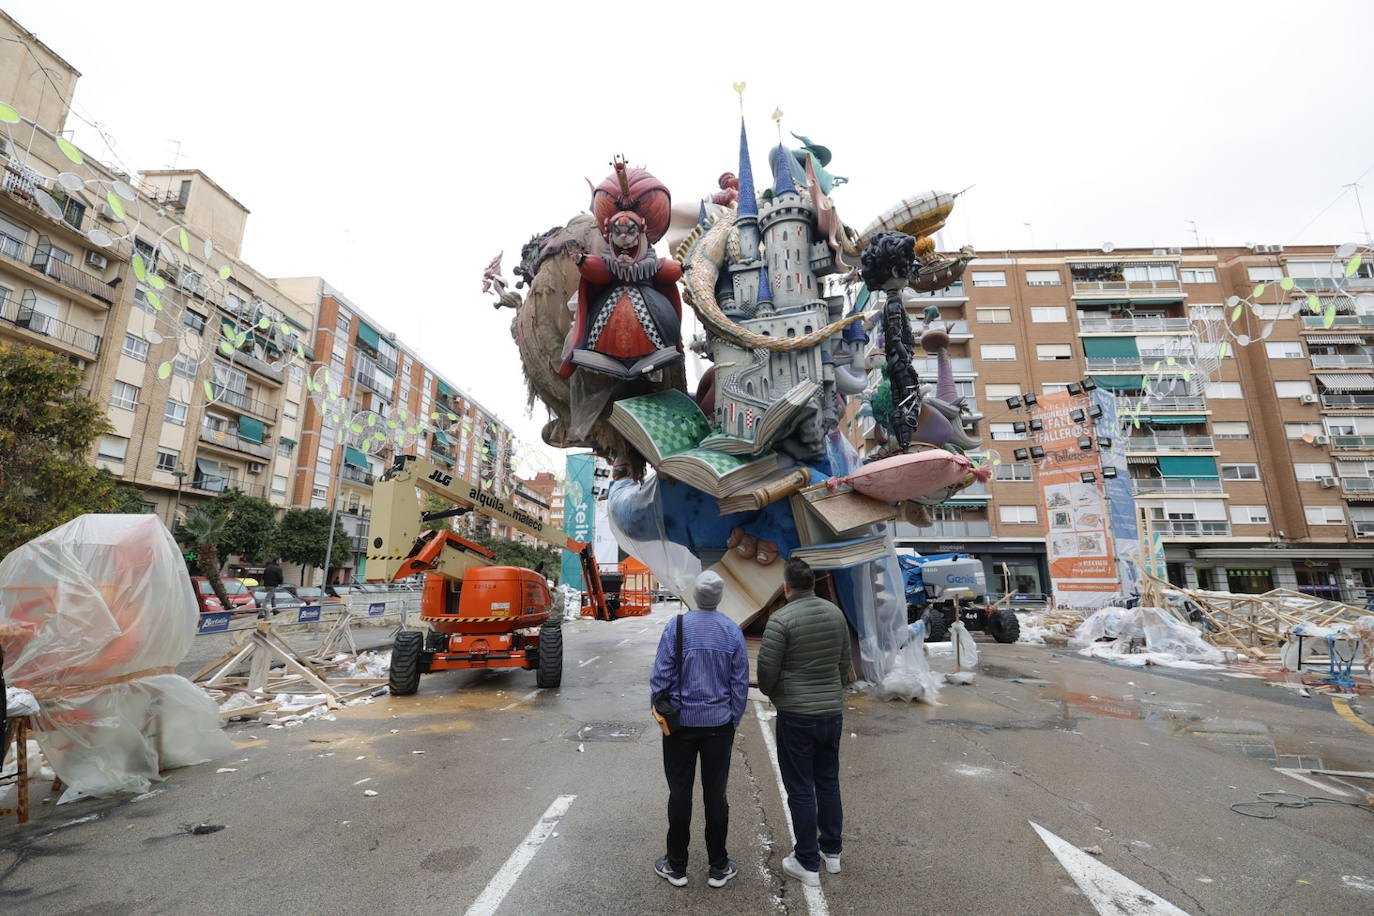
1321 440
1160 251
1176 250
1328 482
97 260
1308 399
255 467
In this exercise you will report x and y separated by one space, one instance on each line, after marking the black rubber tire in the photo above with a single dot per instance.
1004 626
937 627
405 663
913 613
550 673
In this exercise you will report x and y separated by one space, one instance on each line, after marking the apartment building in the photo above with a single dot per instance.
539 496
1253 460
189 418
383 375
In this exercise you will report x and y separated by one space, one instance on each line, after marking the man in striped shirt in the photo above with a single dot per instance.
712 690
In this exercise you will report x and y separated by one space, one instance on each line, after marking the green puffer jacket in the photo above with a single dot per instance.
804 659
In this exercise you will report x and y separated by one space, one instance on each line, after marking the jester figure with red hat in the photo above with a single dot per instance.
628 321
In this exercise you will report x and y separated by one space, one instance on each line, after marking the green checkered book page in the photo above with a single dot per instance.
670 420
719 462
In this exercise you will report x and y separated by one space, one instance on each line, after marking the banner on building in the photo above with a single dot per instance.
579 509
1080 527
604 545
1126 547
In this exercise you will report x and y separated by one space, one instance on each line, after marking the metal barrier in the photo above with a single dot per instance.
379 608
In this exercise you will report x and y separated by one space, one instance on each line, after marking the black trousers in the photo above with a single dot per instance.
680 752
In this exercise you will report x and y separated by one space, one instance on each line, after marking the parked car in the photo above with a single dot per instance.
240 599
341 591
284 599
314 594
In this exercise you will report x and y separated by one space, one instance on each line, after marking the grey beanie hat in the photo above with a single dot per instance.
708 589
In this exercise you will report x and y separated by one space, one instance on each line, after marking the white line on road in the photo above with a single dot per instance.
1298 775
815 897
621 643
525 699
645 630
588 661
1111 893
505 879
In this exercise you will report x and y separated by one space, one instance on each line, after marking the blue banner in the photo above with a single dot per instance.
376 609
308 613
579 513
210 623
1120 500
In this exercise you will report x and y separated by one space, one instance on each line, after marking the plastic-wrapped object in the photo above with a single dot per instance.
112 613
636 513
965 649
1164 634
908 675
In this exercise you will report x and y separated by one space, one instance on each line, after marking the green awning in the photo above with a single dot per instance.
250 430
288 440
444 389
1110 347
1120 382
1177 421
1187 466
441 439
354 458
369 336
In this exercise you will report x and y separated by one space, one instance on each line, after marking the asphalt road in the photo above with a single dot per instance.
939 802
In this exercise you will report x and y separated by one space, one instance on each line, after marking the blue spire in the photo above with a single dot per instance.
701 213
748 200
765 286
782 172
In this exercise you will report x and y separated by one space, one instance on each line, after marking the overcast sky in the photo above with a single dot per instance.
395 148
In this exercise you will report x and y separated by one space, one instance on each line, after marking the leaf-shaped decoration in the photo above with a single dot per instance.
300 351
46 203
1266 330
99 237
1242 340
140 270
1314 303
125 190
1286 283
1187 376
372 419
1330 317
153 337
185 239
207 248
1258 290
434 415
1171 361
1232 301
356 427
226 329
327 376
71 152
224 272
391 424
70 181
264 323
452 418
1223 349
156 282
1235 312
209 391
116 205
164 370
226 348
1137 423
1346 250
8 114
1353 264
154 300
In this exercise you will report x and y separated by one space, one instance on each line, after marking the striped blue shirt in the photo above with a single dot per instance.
715 669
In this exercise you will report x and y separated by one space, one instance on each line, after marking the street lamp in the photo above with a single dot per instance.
180 474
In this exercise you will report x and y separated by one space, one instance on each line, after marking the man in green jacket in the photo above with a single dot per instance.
803 665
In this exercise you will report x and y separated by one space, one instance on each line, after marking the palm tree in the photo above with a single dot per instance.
202 531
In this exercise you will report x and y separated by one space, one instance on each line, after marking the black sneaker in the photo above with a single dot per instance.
721 875
677 877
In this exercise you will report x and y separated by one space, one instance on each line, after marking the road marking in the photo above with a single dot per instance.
526 698
815 897
1345 712
1298 775
621 643
505 879
588 661
1111 893
645 630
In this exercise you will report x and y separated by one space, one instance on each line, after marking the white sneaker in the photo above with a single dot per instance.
792 867
832 863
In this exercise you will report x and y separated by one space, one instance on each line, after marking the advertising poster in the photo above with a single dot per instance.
1079 528
1120 499
578 513
604 545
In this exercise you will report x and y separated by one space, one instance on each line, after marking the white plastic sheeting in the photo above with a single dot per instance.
112 611
1166 637
645 536
908 674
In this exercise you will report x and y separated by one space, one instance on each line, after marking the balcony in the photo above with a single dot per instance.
249 361
977 491
1347 401
1118 289
1191 528
211 484
1344 283
1364 529
1136 444
1360 443
946 529
953 291
358 543
23 316
930 367
69 275
1189 404
1180 486
242 402
1342 322
958 330
1343 361
1133 325
1138 364
357 475
231 440
1357 486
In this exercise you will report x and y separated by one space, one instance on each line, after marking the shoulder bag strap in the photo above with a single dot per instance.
678 663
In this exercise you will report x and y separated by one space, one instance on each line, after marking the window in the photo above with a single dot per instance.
279 483
993 315
194 321
1002 391
1231 429
1018 471
1249 515
998 351
1016 515
1005 431
167 459
1324 515
1053 351
1199 274
290 410
1240 472
136 347
1264 274
297 374
1314 270
1207 312
989 278
1292 389
176 413
185 367
12 238
1213 349
1043 278
147 508
1275 311
317 497
1298 430
124 395
1283 349
1223 390
285 447
1049 314
189 281
1053 387
215 423
113 447
1309 471
1149 272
